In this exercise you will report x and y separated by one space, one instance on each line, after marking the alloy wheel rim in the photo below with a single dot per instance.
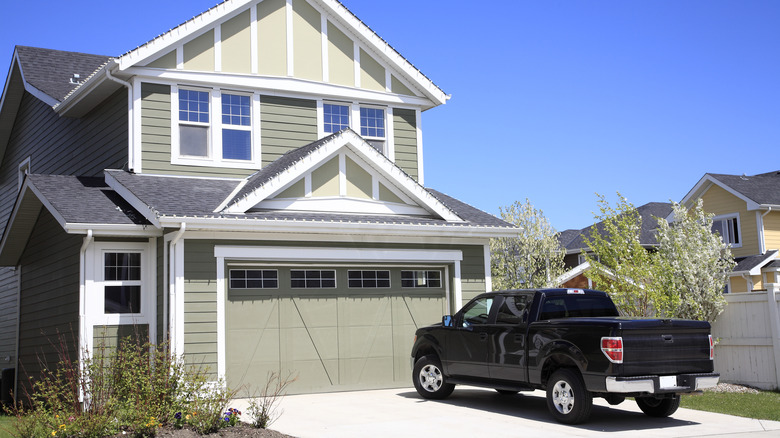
430 378
563 397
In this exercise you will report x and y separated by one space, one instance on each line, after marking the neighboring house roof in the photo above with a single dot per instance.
51 71
647 212
752 265
758 191
566 236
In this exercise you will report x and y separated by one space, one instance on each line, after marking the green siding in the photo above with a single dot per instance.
287 124
110 336
55 145
50 297
405 140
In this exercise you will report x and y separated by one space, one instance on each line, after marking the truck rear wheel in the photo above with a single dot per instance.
429 381
567 399
658 407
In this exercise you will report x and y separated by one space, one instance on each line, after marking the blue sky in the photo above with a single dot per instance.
553 101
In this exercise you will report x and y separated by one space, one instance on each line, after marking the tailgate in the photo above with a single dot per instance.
658 347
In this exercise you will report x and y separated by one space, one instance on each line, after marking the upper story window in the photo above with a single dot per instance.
236 127
728 228
336 117
216 128
194 123
372 127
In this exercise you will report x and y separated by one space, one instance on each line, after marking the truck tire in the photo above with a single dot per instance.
658 407
567 398
429 380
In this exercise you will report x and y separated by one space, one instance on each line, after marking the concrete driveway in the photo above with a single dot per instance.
481 412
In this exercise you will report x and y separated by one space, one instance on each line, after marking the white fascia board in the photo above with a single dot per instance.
573 272
184 30
342 205
334 228
770 256
82 91
306 239
703 185
381 47
277 253
147 211
275 85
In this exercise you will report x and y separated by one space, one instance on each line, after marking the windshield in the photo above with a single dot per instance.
576 306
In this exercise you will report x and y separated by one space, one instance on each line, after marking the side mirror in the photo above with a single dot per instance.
446 321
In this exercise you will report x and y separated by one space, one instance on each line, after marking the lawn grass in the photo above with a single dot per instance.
6 425
763 406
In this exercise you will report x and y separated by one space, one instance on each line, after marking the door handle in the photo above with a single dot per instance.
483 336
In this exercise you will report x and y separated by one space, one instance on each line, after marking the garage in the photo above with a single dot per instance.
337 326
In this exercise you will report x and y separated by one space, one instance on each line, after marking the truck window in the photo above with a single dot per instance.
477 312
513 311
577 306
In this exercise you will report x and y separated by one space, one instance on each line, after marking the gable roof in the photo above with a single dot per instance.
294 164
758 191
332 8
752 265
77 203
647 237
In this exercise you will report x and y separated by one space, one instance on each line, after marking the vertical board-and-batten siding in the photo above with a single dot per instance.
405 140
55 145
49 304
200 289
718 202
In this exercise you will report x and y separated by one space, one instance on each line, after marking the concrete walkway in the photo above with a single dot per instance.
469 411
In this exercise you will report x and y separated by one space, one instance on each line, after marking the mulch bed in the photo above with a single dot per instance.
238 431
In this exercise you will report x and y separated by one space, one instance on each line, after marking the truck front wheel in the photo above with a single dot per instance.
567 399
429 381
658 407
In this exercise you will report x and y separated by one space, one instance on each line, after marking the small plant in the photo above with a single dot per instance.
232 417
264 410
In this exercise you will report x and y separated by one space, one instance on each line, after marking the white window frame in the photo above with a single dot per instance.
348 105
305 279
727 217
230 279
214 158
358 127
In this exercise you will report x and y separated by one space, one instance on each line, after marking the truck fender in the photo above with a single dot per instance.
428 344
558 354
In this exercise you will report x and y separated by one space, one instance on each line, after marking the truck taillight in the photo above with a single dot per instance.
712 348
613 349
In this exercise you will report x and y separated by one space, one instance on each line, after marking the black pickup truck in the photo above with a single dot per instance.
571 343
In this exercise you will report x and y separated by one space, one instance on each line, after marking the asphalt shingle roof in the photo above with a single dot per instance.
85 200
50 71
762 188
747 263
647 236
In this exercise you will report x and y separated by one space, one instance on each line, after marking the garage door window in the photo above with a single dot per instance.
369 279
421 279
254 279
312 279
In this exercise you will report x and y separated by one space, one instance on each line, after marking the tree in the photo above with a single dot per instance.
619 264
681 276
693 263
534 258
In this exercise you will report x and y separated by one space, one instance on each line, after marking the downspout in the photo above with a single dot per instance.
172 320
82 303
748 281
130 118
761 241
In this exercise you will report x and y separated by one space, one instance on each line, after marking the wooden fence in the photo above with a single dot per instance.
748 334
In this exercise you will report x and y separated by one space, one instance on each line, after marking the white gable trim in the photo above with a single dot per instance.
40 95
149 213
368 154
704 184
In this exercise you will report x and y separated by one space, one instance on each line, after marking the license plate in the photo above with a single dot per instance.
667 381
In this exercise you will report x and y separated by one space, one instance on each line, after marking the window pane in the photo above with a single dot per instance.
372 122
236 110
336 117
122 266
193 141
122 299
253 279
194 106
236 145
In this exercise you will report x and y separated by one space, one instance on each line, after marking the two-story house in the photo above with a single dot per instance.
248 185
747 217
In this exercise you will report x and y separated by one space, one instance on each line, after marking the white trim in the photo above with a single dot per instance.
276 86
253 45
457 290
420 167
135 163
342 204
704 184
356 62
324 48
148 212
389 134
488 271
342 175
23 170
728 216
290 36
300 237
306 254
218 47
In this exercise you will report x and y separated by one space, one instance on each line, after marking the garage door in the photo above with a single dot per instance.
337 328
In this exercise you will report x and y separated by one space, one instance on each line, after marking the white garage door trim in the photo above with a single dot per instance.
307 254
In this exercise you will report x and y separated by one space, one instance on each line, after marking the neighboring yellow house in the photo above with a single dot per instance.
747 216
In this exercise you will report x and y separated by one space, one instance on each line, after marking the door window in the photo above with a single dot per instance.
514 311
477 312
